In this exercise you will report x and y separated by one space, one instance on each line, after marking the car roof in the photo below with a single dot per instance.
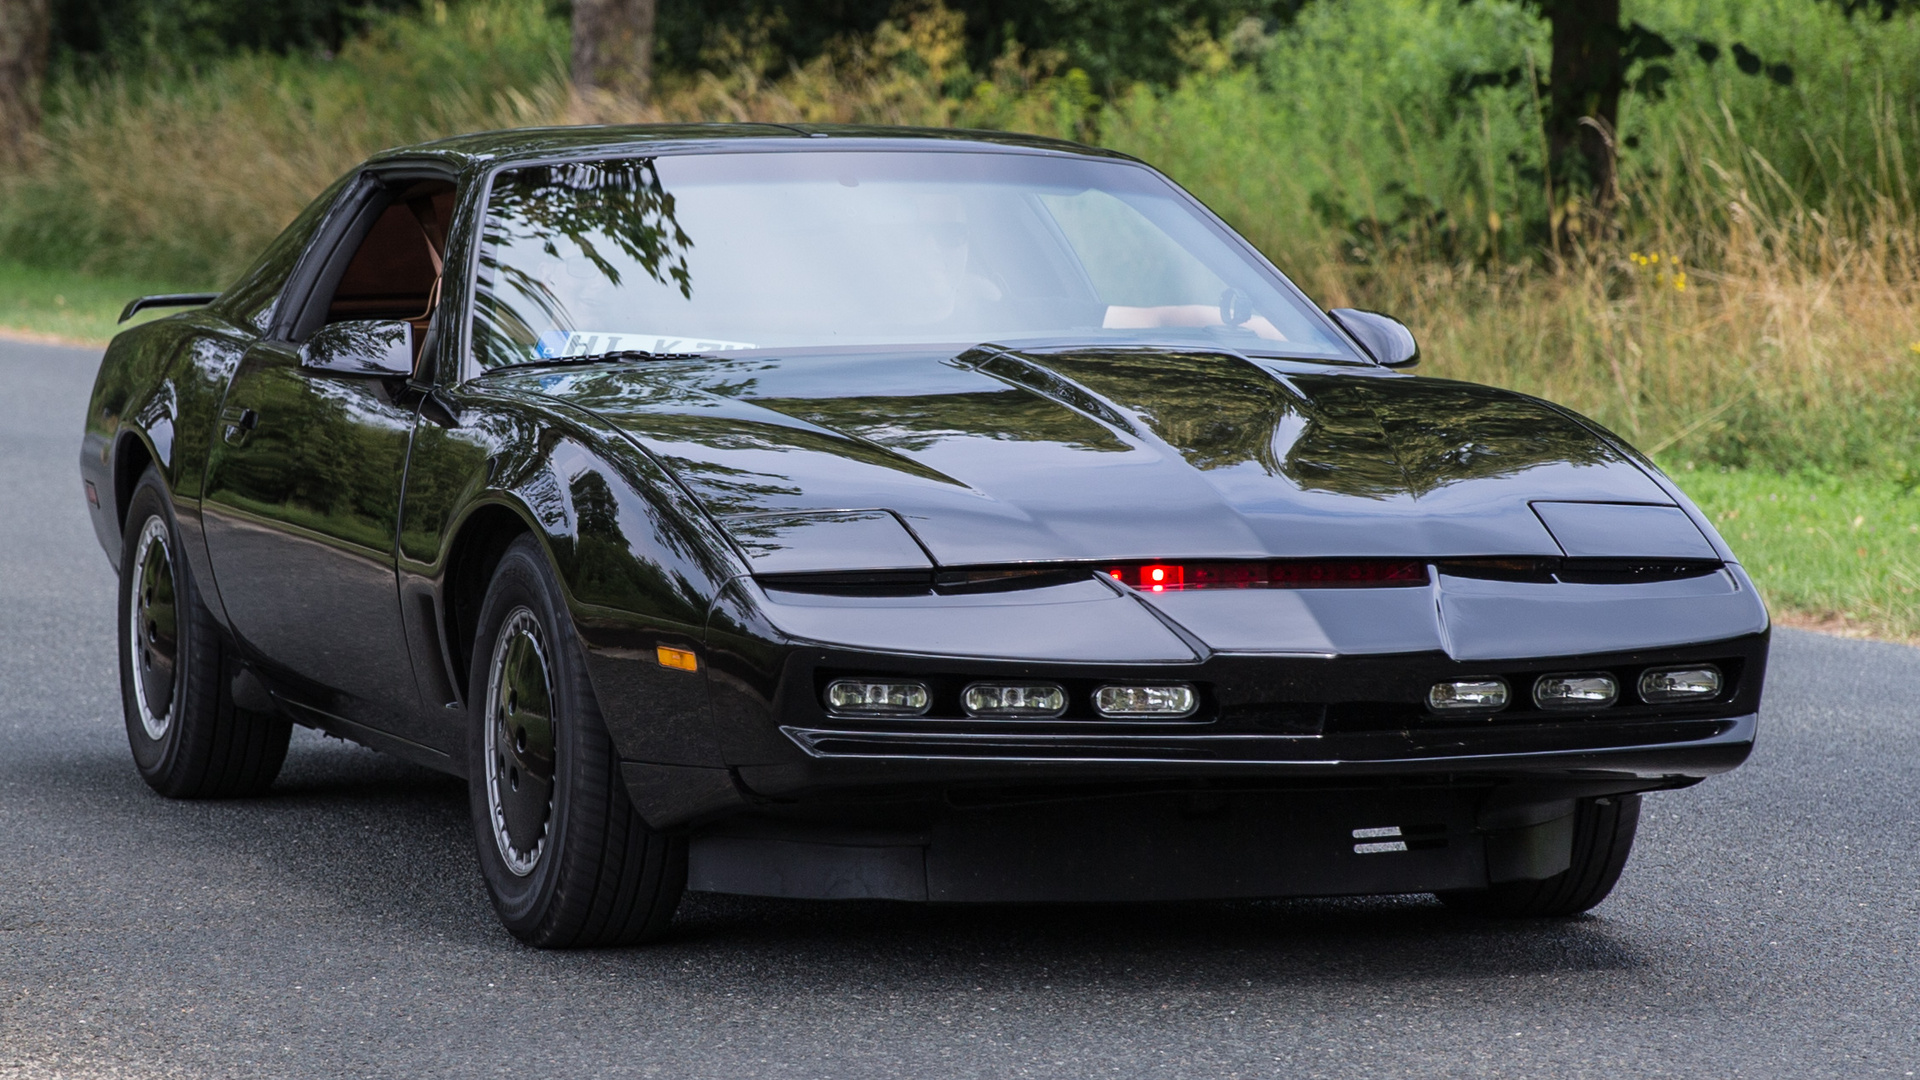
548 143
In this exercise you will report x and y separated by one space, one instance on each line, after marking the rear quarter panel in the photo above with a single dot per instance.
156 399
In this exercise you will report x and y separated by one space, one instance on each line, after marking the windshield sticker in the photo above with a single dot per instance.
559 343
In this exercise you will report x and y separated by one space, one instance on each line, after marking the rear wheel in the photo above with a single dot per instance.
189 740
567 860
1603 831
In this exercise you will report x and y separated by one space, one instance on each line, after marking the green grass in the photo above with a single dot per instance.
1840 552
81 308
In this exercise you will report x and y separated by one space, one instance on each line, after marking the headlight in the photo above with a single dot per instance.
1145 702
1659 686
1032 701
1468 695
1586 690
872 697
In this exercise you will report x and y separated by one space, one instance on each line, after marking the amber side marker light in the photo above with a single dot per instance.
679 659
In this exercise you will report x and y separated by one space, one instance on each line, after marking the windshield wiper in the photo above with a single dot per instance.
597 358
642 354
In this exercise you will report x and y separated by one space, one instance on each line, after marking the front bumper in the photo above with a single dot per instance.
1646 756
1270 719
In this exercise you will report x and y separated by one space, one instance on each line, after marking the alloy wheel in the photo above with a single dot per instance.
520 742
153 627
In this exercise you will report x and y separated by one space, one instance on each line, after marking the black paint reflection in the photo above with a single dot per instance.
919 422
1437 433
301 512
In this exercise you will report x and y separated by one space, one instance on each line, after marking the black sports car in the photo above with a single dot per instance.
839 512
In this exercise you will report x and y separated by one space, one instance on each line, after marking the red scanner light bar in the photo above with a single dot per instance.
1276 574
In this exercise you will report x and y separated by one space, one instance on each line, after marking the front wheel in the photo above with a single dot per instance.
189 740
567 860
1603 832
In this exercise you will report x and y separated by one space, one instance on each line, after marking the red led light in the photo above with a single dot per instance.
1278 574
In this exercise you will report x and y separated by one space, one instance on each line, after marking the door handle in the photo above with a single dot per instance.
237 423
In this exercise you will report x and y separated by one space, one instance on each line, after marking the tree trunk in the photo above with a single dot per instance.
612 45
25 29
1584 84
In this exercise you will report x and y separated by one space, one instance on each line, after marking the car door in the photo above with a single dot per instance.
304 478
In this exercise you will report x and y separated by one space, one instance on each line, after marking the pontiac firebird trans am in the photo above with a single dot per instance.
872 513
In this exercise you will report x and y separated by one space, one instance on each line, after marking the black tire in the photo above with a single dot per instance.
1603 831
176 672
567 860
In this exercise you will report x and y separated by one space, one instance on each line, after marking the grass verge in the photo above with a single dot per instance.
1832 553
65 306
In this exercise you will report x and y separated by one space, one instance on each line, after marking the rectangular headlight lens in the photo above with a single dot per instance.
1041 700
866 697
1586 690
1698 683
1141 702
1468 695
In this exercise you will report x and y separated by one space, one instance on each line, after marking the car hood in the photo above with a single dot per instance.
1007 456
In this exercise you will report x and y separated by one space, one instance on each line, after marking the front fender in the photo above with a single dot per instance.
640 563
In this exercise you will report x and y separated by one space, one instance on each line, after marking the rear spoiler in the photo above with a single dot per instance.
182 299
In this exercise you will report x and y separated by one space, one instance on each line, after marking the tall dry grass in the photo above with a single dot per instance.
1753 338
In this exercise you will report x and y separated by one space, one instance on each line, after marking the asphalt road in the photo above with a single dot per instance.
1767 926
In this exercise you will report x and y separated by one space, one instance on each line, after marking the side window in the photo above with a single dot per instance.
395 274
384 264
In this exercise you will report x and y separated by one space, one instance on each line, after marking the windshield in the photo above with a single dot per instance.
717 252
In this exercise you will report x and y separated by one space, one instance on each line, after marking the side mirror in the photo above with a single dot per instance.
1385 338
380 349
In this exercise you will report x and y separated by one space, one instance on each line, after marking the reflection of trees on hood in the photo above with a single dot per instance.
1354 435
1378 438
916 422
1217 411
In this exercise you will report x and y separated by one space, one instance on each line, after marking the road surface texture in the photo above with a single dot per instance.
1767 926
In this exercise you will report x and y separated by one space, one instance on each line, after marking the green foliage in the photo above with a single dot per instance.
92 35
69 306
186 175
1361 128
1116 42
